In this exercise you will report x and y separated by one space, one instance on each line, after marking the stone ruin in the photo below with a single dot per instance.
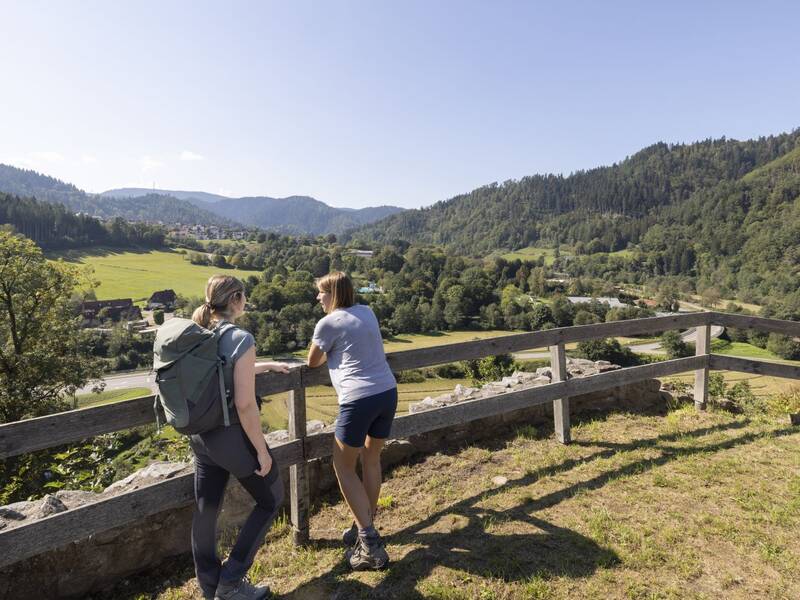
576 367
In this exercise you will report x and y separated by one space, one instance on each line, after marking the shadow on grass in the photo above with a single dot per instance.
460 537
76 255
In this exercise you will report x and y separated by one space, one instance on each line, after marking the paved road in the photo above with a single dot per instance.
690 335
133 379
137 379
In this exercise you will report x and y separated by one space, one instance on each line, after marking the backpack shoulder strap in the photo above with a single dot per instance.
227 367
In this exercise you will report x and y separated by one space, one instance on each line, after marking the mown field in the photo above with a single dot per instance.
685 505
534 253
138 274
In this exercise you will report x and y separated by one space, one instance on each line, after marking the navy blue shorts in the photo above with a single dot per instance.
371 416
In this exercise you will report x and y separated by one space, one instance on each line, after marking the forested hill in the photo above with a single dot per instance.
606 206
291 215
150 208
54 227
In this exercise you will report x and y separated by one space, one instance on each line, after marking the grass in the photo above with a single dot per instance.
86 400
763 386
687 505
415 341
321 401
137 275
531 254
745 350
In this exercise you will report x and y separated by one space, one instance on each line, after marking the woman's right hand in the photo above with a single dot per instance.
264 464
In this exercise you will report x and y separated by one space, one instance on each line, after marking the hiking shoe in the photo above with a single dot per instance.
350 535
243 590
366 554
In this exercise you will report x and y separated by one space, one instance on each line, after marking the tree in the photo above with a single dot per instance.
540 315
42 349
158 317
783 346
405 319
674 346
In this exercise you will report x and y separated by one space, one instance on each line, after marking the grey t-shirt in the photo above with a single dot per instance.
232 345
351 337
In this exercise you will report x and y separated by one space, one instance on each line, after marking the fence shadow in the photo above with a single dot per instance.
462 536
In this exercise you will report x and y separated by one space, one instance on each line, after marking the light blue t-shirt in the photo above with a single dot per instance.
351 337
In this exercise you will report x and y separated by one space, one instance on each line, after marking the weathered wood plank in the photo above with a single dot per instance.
70 426
612 379
319 445
558 367
760 323
275 383
702 346
79 523
299 496
74 425
425 357
758 367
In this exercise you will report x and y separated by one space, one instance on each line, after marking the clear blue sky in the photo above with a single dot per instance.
366 103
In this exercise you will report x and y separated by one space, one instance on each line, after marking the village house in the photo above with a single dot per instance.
362 253
116 310
162 300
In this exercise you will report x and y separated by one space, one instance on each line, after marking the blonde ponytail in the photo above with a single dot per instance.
202 315
220 291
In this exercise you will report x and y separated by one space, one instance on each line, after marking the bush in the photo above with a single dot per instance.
783 346
787 402
158 317
674 346
608 349
491 368
530 366
410 376
449 371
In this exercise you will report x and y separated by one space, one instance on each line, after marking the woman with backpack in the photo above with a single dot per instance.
349 338
239 450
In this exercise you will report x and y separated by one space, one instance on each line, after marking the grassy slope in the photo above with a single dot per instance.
138 274
691 505
533 253
86 400
321 401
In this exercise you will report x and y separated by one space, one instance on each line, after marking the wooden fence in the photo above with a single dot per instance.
81 522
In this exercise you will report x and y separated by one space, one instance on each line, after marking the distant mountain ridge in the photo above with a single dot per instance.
150 208
137 192
293 214
296 215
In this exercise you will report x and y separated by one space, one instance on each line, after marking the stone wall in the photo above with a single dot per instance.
103 559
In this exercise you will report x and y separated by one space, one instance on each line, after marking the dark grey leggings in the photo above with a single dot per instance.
218 454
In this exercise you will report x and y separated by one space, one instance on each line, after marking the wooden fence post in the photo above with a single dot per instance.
702 345
299 499
558 367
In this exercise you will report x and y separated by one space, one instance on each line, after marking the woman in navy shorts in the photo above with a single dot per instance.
349 338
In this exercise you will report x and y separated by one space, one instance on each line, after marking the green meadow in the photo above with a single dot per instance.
138 274
532 254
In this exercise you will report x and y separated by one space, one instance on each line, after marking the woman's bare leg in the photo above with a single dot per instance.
344 463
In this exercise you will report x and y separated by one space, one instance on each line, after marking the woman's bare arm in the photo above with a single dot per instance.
244 397
316 357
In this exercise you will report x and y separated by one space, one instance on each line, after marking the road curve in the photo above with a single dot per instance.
689 336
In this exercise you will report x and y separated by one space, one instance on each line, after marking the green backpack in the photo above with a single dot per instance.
194 382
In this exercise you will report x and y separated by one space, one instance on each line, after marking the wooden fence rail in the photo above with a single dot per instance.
62 528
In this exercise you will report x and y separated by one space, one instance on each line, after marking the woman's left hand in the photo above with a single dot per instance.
277 367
